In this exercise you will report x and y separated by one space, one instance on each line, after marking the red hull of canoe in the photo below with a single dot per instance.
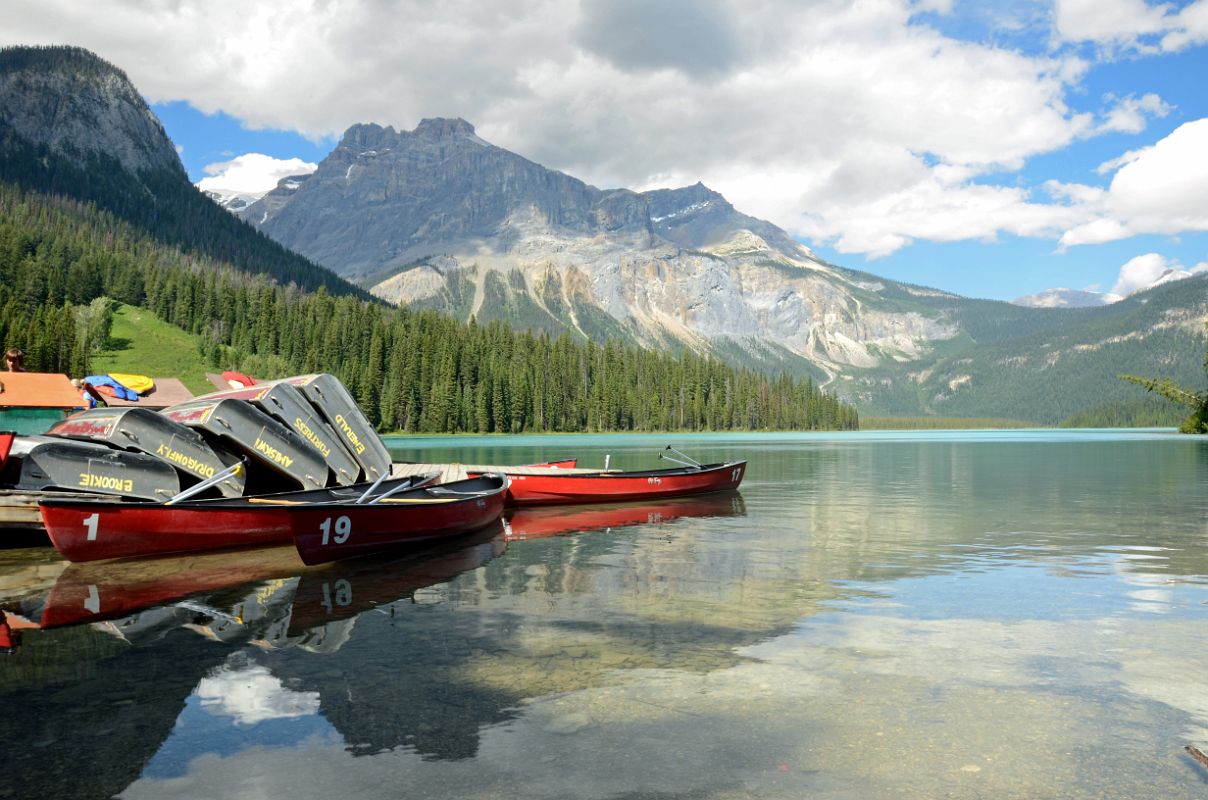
93 531
7 437
84 530
608 487
327 534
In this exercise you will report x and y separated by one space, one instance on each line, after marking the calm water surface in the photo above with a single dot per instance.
1017 614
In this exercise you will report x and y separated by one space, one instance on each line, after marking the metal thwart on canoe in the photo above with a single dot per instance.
286 403
249 431
44 462
328 395
145 431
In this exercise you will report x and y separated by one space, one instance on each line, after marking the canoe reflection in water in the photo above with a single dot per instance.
207 585
537 522
347 588
222 594
93 592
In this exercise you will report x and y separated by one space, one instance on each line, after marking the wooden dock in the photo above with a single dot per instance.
19 509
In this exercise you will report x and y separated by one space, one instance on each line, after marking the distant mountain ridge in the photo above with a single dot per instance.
431 190
1130 283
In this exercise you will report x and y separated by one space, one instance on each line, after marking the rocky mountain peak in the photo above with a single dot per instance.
443 128
670 203
73 101
368 134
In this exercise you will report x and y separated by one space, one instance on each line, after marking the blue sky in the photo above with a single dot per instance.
991 149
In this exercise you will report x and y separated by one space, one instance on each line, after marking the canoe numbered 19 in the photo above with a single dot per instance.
329 533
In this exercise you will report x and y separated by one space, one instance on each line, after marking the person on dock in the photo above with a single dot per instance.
91 397
14 360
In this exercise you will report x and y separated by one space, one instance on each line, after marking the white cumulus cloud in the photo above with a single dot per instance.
251 173
1132 25
1150 270
1130 114
1110 22
1161 189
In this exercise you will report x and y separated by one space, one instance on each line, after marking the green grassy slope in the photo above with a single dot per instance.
143 344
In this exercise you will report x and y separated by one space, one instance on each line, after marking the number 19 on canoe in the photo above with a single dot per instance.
343 527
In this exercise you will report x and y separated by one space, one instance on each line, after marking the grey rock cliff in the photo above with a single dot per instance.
439 217
73 101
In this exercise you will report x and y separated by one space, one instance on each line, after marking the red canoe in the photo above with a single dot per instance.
538 486
89 530
327 533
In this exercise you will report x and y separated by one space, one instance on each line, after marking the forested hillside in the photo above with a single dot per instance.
53 85
1042 365
411 371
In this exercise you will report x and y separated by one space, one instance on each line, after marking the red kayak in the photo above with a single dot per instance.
92 529
325 533
547 486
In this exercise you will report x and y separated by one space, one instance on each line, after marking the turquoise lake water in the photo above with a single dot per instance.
997 614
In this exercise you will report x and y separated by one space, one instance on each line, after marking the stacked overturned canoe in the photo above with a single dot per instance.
304 432
155 436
